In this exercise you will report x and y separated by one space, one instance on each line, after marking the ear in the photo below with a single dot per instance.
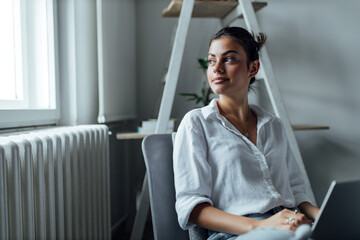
254 68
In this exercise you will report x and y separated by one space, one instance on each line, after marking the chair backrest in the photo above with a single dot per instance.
157 150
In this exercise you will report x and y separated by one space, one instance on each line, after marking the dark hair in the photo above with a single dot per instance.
251 43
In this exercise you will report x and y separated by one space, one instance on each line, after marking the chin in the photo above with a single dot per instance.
216 89
217 92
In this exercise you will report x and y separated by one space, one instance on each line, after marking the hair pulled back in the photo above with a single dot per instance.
252 44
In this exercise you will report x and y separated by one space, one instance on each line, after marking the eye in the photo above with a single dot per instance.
211 62
230 59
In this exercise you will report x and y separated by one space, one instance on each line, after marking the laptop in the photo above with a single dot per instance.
339 215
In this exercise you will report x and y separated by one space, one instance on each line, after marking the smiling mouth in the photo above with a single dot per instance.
220 80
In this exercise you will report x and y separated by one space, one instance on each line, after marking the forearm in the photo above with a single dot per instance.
309 210
209 217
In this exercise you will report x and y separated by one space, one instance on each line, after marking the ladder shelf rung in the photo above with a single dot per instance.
207 9
309 127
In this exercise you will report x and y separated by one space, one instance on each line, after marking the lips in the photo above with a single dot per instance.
220 80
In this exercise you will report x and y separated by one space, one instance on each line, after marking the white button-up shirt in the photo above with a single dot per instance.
215 163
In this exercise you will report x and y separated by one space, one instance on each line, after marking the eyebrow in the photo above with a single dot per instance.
225 53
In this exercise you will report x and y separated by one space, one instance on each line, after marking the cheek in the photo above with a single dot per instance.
209 74
237 72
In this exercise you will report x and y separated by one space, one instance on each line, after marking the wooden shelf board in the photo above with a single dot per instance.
135 135
207 9
309 127
130 135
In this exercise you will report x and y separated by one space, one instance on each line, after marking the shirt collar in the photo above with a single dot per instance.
262 115
210 109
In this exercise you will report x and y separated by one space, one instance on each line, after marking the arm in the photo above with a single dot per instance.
209 217
309 210
192 173
297 181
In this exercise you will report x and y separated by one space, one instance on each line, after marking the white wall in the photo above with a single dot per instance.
314 53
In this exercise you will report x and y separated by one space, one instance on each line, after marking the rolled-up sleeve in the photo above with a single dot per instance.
192 173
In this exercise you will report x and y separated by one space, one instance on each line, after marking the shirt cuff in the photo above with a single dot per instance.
184 207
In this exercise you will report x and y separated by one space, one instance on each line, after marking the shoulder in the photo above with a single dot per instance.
192 120
265 118
194 114
198 119
190 132
201 114
276 124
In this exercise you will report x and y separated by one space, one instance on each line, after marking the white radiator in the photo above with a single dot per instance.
54 184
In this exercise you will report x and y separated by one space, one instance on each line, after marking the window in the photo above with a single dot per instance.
27 63
11 91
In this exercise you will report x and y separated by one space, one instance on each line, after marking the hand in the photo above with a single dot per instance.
285 219
309 210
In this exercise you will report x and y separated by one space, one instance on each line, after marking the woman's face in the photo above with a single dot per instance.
228 73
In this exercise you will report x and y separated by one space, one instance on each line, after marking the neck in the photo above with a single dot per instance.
237 108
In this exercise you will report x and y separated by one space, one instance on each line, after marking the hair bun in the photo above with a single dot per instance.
260 39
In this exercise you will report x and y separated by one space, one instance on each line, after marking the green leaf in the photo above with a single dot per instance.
203 63
189 95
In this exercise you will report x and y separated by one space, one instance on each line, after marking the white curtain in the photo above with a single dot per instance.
96 60
116 51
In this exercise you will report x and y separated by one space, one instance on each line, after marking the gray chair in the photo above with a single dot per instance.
157 150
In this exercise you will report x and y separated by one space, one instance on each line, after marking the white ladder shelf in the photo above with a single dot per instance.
227 11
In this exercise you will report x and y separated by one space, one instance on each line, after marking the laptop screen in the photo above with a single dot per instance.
339 215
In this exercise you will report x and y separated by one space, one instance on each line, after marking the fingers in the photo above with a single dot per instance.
294 218
286 219
288 227
290 221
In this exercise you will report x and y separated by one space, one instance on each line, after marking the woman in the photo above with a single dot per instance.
234 170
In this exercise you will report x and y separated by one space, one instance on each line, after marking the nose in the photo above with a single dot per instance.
218 67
